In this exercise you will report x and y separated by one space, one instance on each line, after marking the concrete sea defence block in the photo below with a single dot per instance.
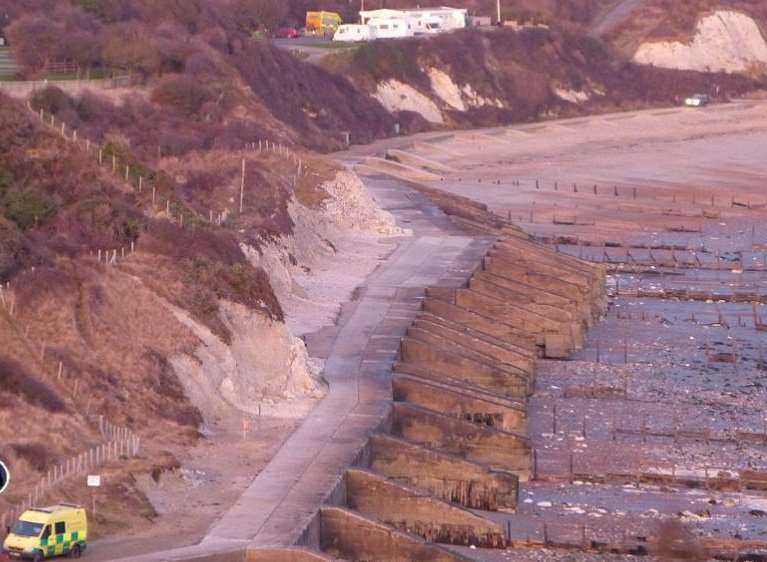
419 513
443 475
498 449
464 347
445 364
286 555
484 324
465 337
461 402
356 538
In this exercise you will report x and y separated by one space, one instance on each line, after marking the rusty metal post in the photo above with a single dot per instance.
598 353
625 350
554 420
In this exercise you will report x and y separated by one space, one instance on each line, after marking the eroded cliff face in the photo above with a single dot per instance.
258 372
332 249
725 41
265 368
473 78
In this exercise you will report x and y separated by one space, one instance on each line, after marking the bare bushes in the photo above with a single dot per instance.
67 35
184 94
187 117
96 223
16 132
168 239
37 455
212 267
310 99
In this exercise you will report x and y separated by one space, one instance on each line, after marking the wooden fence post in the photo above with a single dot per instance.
242 186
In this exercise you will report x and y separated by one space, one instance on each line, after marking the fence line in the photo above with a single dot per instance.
120 442
25 88
589 536
653 473
613 191
138 182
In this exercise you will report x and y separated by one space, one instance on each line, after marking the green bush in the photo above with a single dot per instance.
28 208
385 60
6 180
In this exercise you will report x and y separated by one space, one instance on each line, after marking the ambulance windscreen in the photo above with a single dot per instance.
27 528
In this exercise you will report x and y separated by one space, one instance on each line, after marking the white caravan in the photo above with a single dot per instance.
353 32
389 28
423 21
425 25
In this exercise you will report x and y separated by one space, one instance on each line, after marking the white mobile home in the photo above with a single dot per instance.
423 21
389 28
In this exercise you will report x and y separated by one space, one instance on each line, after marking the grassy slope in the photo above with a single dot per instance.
107 326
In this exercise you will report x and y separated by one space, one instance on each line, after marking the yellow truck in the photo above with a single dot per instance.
322 23
45 532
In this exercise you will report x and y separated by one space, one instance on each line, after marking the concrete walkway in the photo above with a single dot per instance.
284 497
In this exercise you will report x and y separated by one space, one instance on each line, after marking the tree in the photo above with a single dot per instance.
36 40
258 14
131 47
82 49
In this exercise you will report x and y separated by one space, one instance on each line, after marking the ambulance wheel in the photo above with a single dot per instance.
37 557
76 551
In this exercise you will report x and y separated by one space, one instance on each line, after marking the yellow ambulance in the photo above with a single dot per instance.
45 532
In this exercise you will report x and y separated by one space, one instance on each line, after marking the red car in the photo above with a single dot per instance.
287 33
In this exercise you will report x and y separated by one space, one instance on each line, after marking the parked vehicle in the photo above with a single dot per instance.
322 23
430 26
353 32
390 28
45 532
698 100
287 33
